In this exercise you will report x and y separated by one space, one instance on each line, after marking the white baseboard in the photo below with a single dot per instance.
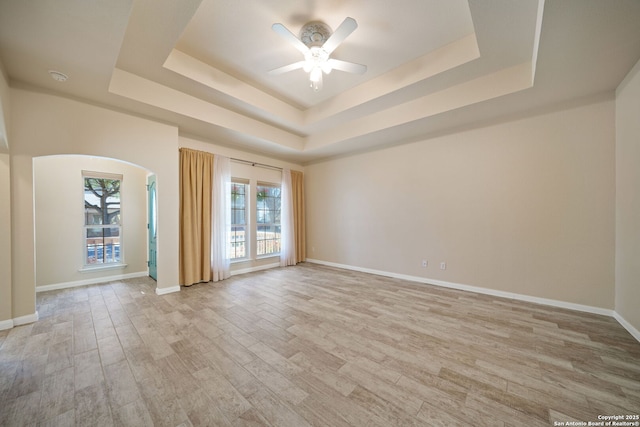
23 320
93 281
476 289
628 326
257 268
164 291
6 324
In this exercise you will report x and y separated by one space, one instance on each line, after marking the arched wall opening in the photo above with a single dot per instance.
60 259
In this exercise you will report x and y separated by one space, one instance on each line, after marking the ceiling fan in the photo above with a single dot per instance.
316 43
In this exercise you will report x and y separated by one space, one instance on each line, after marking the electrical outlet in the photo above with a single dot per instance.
424 263
443 265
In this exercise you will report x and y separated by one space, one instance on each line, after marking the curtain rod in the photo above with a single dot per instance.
262 165
246 162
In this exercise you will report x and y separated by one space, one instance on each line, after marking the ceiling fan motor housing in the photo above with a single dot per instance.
315 33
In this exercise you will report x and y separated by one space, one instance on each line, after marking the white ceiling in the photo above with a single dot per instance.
434 66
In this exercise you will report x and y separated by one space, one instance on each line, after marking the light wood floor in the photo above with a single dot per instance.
311 345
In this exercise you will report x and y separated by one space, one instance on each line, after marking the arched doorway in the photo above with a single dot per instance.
61 252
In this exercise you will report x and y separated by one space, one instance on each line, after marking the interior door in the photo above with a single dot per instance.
152 226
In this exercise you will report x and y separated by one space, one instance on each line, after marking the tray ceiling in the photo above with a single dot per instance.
433 65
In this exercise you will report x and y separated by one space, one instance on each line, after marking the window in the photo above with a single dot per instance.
102 219
238 236
267 219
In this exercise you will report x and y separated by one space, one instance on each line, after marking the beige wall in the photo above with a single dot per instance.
5 207
525 207
5 243
4 111
59 214
44 125
628 198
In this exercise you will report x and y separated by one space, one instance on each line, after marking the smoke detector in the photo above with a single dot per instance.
58 76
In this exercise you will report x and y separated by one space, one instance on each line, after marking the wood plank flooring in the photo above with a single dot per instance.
311 346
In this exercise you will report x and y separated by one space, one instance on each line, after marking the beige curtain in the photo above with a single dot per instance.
196 175
297 186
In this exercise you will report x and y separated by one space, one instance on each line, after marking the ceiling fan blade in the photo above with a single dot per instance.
283 32
287 68
342 32
349 67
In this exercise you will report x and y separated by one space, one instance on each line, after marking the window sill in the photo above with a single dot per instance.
258 258
87 268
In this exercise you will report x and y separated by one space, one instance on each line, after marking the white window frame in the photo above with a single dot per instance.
85 251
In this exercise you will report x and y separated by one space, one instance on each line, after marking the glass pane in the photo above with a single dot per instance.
261 247
271 204
154 211
237 216
237 244
102 245
237 200
268 205
238 250
238 203
268 239
101 201
262 216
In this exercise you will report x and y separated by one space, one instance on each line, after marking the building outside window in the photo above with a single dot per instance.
102 219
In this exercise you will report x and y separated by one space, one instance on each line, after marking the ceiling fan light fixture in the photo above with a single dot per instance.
316 56
315 79
316 74
316 43
316 62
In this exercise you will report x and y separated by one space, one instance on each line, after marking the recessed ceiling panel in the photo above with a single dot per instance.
236 37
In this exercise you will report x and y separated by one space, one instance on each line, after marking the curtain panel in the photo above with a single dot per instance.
288 243
221 226
297 198
196 177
